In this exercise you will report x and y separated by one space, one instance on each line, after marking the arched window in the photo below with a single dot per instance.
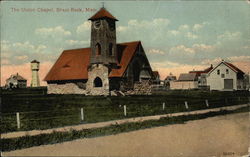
110 49
98 49
97 82
136 70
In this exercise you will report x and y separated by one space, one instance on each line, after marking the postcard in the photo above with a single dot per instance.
125 78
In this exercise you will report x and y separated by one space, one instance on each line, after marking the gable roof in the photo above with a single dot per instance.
34 61
17 77
188 77
102 13
202 71
73 64
230 65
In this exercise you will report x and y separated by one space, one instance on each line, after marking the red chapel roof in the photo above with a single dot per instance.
101 14
73 64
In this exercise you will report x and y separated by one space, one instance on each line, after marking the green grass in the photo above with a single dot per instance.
57 137
41 111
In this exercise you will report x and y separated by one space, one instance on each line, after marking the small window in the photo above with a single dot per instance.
227 71
110 49
97 24
222 75
218 72
98 49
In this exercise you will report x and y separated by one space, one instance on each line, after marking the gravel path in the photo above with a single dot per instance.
103 124
223 136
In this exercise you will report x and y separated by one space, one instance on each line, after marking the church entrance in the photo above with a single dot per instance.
97 82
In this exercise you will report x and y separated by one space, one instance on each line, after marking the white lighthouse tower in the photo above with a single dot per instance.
35 78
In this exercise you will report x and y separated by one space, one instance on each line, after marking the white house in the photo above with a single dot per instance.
225 76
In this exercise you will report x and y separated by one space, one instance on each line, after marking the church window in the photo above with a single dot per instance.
110 49
98 49
97 23
97 82
111 25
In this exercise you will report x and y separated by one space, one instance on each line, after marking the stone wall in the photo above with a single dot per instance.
141 88
67 88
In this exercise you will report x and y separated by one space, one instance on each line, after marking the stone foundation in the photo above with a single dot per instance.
141 88
67 88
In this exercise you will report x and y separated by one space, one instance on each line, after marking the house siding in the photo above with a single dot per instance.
216 82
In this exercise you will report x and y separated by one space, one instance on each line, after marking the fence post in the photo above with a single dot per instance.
207 103
163 106
125 110
186 104
238 98
249 99
82 114
18 120
226 101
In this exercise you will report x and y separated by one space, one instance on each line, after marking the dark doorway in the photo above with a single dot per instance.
97 82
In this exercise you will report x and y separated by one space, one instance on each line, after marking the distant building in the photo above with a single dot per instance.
185 81
202 78
35 77
226 76
169 79
157 79
16 81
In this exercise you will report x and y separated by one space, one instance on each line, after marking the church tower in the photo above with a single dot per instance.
103 56
103 38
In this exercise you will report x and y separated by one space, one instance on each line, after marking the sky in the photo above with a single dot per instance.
177 36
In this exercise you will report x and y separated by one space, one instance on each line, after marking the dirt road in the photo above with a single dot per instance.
218 136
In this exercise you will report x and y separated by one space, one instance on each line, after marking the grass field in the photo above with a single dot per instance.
41 111
57 137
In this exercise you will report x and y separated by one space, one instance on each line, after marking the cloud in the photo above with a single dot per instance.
229 35
24 70
23 52
184 27
190 51
167 67
191 35
133 24
84 27
54 32
156 51
77 42
5 61
211 61
24 57
181 49
239 58
203 47
174 32
198 26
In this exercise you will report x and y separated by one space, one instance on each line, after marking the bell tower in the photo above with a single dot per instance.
103 38
103 56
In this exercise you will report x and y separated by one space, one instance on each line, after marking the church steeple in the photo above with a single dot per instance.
103 38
